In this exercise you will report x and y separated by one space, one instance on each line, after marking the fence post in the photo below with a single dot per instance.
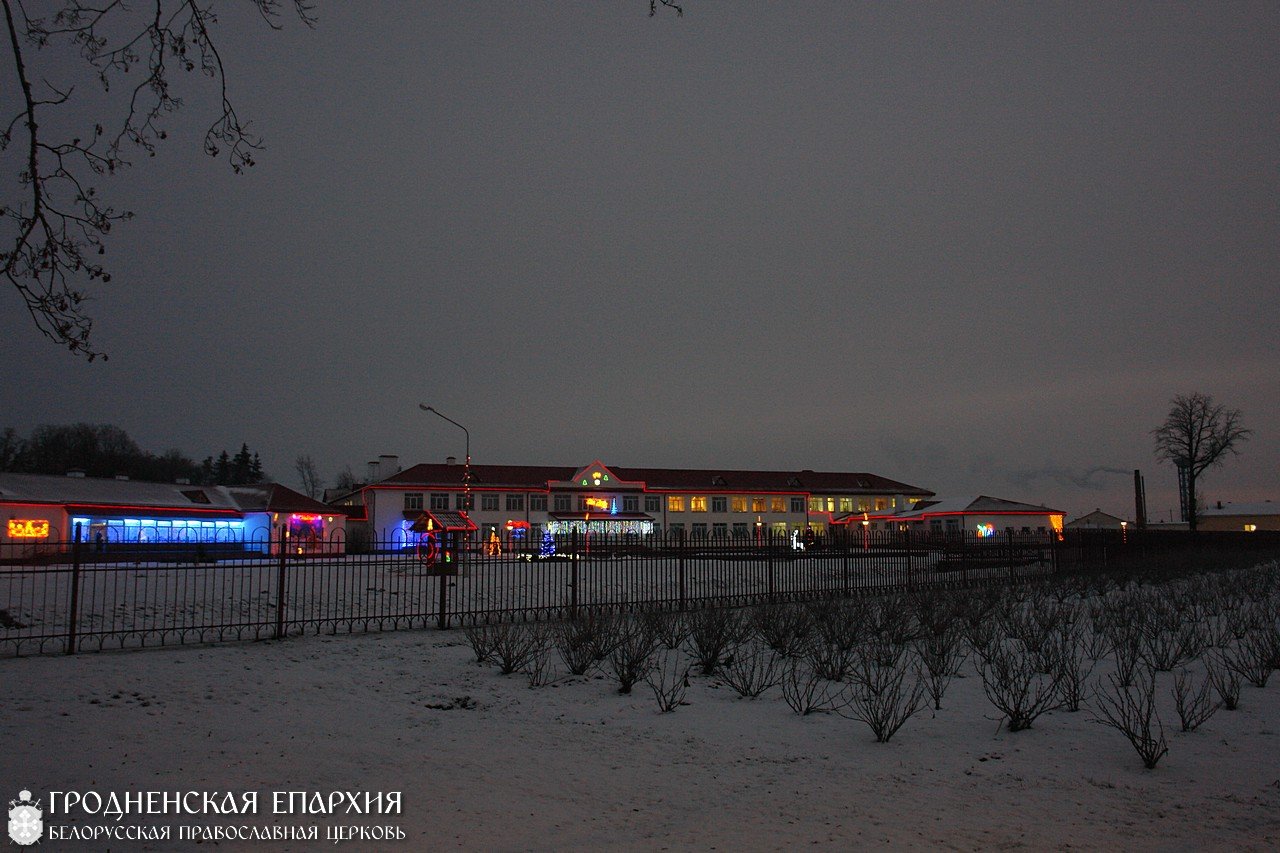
680 567
768 544
573 578
844 563
74 610
1013 575
281 580
442 616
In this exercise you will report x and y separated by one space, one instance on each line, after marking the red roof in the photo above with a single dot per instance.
657 479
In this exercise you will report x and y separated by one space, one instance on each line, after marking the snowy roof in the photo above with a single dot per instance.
97 491
982 504
1256 508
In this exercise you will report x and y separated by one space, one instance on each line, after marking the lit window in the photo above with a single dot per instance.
831 504
1250 528
778 505
815 504
675 503
739 504
757 505
864 505
698 504
846 504
882 504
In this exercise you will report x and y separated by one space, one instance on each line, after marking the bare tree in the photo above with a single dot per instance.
1198 434
59 220
312 484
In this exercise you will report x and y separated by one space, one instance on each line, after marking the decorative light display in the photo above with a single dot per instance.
985 530
493 548
548 546
28 528
596 478
177 530
596 503
517 529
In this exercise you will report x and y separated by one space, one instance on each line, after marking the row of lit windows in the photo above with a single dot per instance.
493 502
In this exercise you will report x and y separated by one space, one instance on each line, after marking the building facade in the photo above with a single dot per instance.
526 500
39 509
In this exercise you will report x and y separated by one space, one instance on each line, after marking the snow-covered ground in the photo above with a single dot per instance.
487 763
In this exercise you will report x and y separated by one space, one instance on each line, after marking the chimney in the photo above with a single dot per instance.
451 460
388 465
373 472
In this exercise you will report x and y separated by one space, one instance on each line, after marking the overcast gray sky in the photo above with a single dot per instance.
974 247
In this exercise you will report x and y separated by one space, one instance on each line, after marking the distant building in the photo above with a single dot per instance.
1248 517
1097 520
983 516
39 508
701 503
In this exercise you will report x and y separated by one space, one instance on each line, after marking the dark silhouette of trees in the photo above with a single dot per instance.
1198 434
103 450
59 218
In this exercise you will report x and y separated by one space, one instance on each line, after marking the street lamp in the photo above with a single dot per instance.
466 468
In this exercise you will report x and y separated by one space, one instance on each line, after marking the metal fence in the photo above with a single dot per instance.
73 596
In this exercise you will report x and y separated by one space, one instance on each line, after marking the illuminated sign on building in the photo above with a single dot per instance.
597 503
985 530
28 528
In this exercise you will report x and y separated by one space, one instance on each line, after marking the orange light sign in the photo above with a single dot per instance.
28 528
597 503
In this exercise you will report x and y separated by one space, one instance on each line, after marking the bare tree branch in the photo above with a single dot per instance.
60 220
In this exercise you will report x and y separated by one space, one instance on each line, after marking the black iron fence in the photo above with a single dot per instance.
75 596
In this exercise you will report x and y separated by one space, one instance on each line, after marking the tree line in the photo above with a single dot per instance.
104 450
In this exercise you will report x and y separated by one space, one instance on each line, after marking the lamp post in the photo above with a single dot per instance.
466 468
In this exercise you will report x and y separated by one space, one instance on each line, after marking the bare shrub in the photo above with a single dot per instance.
577 640
1127 652
1195 704
1225 681
539 669
1131 710
712 633
1249 659
480 638
668 678
1072 665
1011 683
670 628
632 653
805 691
828 659
941 656
751 670
1169 641
881 694
514 645
783 627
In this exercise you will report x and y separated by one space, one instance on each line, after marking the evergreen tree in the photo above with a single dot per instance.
222 469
